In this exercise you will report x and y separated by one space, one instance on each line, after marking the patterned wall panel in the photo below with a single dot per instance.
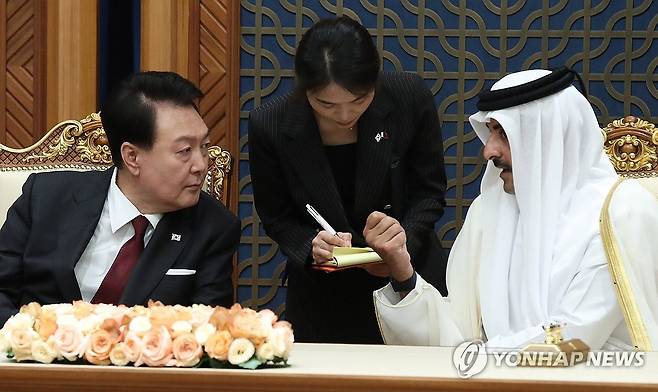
21 35
459 47
213 78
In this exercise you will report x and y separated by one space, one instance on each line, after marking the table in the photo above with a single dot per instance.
331 367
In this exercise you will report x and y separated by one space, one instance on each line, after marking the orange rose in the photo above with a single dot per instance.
219 318
246 324
100 345
162 315
186 350
218 344
46 324
82 309
157 347
132 347
112 327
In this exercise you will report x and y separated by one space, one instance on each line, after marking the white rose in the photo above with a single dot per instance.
201 314
240 351
19 321
281 339
180 327
44 352
66 319
118 355
4 343
140 325
60 309
20 341
265 352
203 332
89 324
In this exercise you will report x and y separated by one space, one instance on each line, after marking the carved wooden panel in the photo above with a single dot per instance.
21 80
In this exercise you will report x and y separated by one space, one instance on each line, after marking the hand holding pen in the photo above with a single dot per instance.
324 242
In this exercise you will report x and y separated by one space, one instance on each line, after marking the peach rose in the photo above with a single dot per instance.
111 326
33 309
118 355
218 344
219 318
247 324
157 348
162 315
82 309
100 345
70 342
46 324
133 346
240 351
44 352
21 341
186 350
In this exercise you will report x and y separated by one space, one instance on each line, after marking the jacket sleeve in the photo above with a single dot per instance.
425 173
214 284
272 198
14 235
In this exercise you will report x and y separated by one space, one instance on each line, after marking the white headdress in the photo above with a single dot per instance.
538 237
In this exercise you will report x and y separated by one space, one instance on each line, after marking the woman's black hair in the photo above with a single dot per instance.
338 50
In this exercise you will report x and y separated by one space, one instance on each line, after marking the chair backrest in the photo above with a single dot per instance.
631 144
82 145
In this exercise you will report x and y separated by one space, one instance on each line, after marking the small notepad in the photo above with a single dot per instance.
347 257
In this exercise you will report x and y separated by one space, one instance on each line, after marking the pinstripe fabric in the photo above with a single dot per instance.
405 170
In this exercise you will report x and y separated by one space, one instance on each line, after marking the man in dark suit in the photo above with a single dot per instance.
138 231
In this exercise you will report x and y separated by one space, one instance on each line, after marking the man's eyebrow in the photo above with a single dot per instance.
186 138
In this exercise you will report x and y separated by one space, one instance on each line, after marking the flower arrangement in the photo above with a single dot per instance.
156 335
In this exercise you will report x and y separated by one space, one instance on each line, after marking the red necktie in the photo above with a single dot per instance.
115 281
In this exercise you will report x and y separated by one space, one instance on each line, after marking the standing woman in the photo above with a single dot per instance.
348 141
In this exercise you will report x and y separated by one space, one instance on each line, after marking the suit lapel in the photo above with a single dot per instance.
158 256
306 155
374 152
82 212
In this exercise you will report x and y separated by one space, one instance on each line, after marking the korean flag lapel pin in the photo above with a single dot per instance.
381 135
175 237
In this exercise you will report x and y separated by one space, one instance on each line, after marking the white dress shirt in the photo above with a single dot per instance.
113 230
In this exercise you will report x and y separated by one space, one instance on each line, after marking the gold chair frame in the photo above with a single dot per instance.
83 145
631 144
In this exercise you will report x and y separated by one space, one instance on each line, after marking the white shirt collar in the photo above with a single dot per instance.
122 210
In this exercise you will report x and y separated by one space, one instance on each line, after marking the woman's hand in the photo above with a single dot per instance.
323 245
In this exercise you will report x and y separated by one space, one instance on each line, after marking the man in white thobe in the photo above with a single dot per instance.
530 251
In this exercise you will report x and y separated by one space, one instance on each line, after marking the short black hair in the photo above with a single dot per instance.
338 50
128 114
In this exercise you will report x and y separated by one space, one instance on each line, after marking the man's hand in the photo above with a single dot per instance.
386 236
323 245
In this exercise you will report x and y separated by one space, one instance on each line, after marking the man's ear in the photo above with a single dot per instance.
130 154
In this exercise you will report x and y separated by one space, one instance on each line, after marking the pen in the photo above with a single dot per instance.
318 218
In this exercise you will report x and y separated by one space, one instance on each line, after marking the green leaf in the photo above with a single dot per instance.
252 364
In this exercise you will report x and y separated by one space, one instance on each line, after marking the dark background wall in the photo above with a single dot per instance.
459 47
